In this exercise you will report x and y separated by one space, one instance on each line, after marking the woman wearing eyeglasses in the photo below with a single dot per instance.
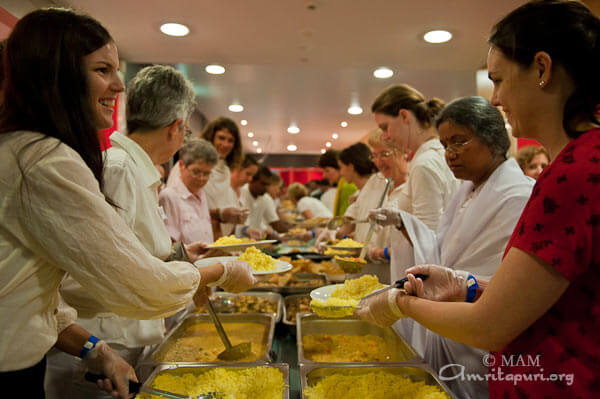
474 229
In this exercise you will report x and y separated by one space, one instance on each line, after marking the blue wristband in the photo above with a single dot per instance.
244 229
386 253
471 288
313 233
88 346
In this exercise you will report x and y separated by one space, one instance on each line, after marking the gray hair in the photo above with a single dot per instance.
198 150
157 96
480 117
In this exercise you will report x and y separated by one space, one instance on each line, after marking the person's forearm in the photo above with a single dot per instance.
72 339
210 274
280 226
345 230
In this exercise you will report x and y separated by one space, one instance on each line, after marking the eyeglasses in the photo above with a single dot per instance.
198 173
457 148
382 155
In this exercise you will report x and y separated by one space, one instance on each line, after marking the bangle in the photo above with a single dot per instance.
88 346
471 288
386 253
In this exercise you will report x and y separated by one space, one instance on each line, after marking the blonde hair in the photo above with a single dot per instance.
296 191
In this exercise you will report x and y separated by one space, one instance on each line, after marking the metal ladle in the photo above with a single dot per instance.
338 221
231 352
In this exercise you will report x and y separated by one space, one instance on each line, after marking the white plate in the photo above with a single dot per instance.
241 247
280 267
324 292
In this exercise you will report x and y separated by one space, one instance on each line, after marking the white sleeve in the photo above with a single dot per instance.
119 186
64 218
270 213
427 197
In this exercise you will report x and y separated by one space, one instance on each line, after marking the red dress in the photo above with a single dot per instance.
561 225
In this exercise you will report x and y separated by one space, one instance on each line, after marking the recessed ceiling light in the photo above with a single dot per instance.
335 136
293 129
437 36
255 143
243 122
328 144
344 124
259 150
323 151
292 147
215 69
250 134
355 110
173 29
383 73
236 108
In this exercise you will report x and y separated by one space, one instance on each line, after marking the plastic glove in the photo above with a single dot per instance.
382 309
443 283
255 234
386 216
104 360
233 215
376 254
237 276
323 237
201 296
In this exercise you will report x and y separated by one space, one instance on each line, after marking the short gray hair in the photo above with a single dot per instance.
480 117
157 96
198 150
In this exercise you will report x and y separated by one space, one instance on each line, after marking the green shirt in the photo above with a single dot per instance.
342 196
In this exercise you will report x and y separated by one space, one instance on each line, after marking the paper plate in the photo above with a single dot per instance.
243 246
280 267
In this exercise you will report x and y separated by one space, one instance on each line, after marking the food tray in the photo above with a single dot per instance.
313 324
296 289
291 325
178 331
312 373
220 306
179 369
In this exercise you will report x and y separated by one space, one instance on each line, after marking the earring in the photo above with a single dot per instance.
542 83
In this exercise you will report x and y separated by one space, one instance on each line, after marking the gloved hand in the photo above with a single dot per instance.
256 234
103 360
382 309
376 254
443 284
233 215
323 237
201 296
237 276
195 250
385 216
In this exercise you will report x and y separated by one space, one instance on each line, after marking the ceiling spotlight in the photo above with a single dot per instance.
259 150
437 36
250 134
173 29
293 129
355 110
243 122
328 144
344 124
236 107
323 151
292 147
383 73
335 136
215 69
255 143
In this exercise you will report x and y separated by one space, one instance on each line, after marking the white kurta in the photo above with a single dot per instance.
471 236
219 192
262 209
431 184
316 207
328 198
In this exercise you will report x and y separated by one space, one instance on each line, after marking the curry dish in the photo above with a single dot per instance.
201 343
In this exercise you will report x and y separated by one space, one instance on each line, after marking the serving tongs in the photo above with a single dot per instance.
231 352
350 266
137 387
342 311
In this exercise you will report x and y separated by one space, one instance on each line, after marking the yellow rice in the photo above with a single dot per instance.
258 260
235 383
231 240
373 385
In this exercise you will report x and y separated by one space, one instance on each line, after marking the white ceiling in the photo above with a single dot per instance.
288 63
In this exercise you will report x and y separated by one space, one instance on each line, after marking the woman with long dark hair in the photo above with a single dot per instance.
60 86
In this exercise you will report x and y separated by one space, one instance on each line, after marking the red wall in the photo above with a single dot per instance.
298 174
